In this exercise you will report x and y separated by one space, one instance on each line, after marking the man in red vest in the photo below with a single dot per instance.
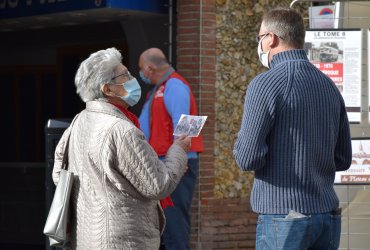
170 97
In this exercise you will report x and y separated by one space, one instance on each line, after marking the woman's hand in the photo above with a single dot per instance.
184 142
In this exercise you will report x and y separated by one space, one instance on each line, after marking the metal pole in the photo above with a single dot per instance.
170 17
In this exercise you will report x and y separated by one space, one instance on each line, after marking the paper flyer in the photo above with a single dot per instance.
190 125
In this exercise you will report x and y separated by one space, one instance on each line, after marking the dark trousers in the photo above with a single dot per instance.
176 235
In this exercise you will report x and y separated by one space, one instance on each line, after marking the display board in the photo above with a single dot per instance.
337 53
359 172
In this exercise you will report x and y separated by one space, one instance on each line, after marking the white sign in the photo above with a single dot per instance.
359 172
322 17
189 125
337 53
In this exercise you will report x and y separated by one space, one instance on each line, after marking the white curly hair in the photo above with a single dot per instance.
95 71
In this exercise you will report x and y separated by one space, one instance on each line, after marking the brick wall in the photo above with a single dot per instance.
217 223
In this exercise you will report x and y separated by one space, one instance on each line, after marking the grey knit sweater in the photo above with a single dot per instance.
294 135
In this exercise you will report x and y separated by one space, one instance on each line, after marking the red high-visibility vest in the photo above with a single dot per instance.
161 127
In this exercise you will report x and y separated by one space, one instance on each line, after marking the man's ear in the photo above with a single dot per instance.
274 41
106 90
151 67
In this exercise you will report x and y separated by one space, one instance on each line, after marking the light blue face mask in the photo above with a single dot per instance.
144 78
133 90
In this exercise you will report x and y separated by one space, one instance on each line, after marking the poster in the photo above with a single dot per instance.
337 53
359 172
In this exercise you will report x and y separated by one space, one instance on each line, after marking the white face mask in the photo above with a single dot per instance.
263 56
133 90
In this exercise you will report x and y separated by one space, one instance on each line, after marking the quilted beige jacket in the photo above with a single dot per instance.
118 181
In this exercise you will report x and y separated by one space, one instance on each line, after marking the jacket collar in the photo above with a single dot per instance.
288 55
103 106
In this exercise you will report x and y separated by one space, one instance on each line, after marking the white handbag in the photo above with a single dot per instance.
57 226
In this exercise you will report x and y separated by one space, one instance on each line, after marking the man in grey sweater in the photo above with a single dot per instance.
294 135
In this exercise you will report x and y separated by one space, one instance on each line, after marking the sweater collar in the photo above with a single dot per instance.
288 55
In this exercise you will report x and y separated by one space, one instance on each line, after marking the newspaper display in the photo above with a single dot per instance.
337 53
189 125
359 172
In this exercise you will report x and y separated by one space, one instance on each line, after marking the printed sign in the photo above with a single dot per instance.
359 172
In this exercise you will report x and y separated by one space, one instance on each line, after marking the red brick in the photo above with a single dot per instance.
183 7
188 51
188 23
209 8
188 44
191 15
189 58
206 194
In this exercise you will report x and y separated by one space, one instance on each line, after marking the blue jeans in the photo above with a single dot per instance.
315 231
176 235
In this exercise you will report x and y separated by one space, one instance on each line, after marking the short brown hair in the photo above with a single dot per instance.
286 24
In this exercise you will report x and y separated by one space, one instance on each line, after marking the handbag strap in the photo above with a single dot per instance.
66 148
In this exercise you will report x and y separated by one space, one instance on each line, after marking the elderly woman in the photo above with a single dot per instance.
118 177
